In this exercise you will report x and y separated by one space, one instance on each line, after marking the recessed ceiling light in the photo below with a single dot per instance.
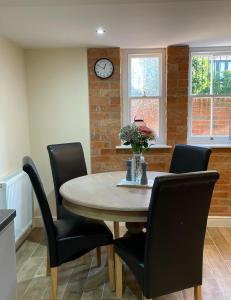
100 31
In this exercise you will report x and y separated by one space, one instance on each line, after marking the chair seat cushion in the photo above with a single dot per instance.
77 236
80 226
131 250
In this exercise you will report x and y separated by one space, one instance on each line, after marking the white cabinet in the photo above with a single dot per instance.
8 279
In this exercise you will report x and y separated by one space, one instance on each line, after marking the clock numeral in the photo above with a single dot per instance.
104 68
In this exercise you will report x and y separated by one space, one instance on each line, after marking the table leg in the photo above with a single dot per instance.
134 228
116 230
94 281
108 271
111 266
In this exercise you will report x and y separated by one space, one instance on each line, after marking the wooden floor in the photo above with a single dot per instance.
34 285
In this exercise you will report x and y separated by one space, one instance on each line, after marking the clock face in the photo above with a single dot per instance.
104 68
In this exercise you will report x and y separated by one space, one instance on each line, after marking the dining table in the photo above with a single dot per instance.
98 196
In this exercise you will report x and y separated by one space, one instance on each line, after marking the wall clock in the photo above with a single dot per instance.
104 68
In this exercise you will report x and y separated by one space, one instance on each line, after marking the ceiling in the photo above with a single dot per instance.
128 23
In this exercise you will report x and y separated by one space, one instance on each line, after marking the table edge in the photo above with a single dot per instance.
106 214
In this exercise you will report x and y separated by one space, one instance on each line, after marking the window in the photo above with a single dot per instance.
143 93
210 97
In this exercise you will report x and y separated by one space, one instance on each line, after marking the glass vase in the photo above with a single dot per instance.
137 160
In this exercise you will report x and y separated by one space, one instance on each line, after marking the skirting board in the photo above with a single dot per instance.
23 237
217 221
213 221
37 221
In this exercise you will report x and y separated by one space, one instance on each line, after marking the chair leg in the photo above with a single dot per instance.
111 266
144 298
48 264
119 276
197 293
98 256
54 278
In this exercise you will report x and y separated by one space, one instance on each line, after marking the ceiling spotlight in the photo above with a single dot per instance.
100 31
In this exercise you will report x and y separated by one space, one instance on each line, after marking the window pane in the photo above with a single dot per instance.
229 65
222 75
201 116
144 79
201 74
148 110
221 116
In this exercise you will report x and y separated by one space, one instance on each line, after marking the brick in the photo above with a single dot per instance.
105 123
100 101
184 67
115 100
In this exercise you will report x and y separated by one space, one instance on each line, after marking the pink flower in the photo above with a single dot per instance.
146 131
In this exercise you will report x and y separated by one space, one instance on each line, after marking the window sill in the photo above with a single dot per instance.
213 146
160 146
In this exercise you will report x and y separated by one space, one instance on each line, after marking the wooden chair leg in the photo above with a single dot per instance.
119 276
197 293
111 266
54 279
98 256
144 298
48 264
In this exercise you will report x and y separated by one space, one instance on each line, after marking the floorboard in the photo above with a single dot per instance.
33 284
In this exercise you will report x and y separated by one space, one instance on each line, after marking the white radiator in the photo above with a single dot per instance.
16 193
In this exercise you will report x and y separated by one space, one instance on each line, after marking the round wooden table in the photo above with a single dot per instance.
97 196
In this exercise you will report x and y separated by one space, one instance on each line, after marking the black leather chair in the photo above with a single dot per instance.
169 256
67 162
187 158
67 238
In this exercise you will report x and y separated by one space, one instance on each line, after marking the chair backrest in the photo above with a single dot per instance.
67 162
187 158
176 229
30 169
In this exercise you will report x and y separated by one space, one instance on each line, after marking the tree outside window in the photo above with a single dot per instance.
210 98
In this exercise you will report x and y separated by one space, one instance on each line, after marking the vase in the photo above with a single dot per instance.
137 160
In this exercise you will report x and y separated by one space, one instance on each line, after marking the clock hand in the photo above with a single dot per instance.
105 65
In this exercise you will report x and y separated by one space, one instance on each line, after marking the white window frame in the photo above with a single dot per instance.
204 139
126 54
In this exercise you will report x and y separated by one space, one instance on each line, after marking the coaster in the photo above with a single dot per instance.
134 184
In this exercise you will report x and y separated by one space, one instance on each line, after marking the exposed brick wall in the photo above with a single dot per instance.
105 119
221 161
104 98
177 94
201 115
105 122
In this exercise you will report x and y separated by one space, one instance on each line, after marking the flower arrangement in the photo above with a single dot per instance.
137 136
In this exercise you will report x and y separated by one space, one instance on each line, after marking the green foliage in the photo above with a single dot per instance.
201 78
200 75
222 83
137 137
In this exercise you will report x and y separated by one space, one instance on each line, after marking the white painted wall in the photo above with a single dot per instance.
14 126
58 104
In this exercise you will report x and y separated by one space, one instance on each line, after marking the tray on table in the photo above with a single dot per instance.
134 184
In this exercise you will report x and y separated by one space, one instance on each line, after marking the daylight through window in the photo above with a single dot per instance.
143 92
210 97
